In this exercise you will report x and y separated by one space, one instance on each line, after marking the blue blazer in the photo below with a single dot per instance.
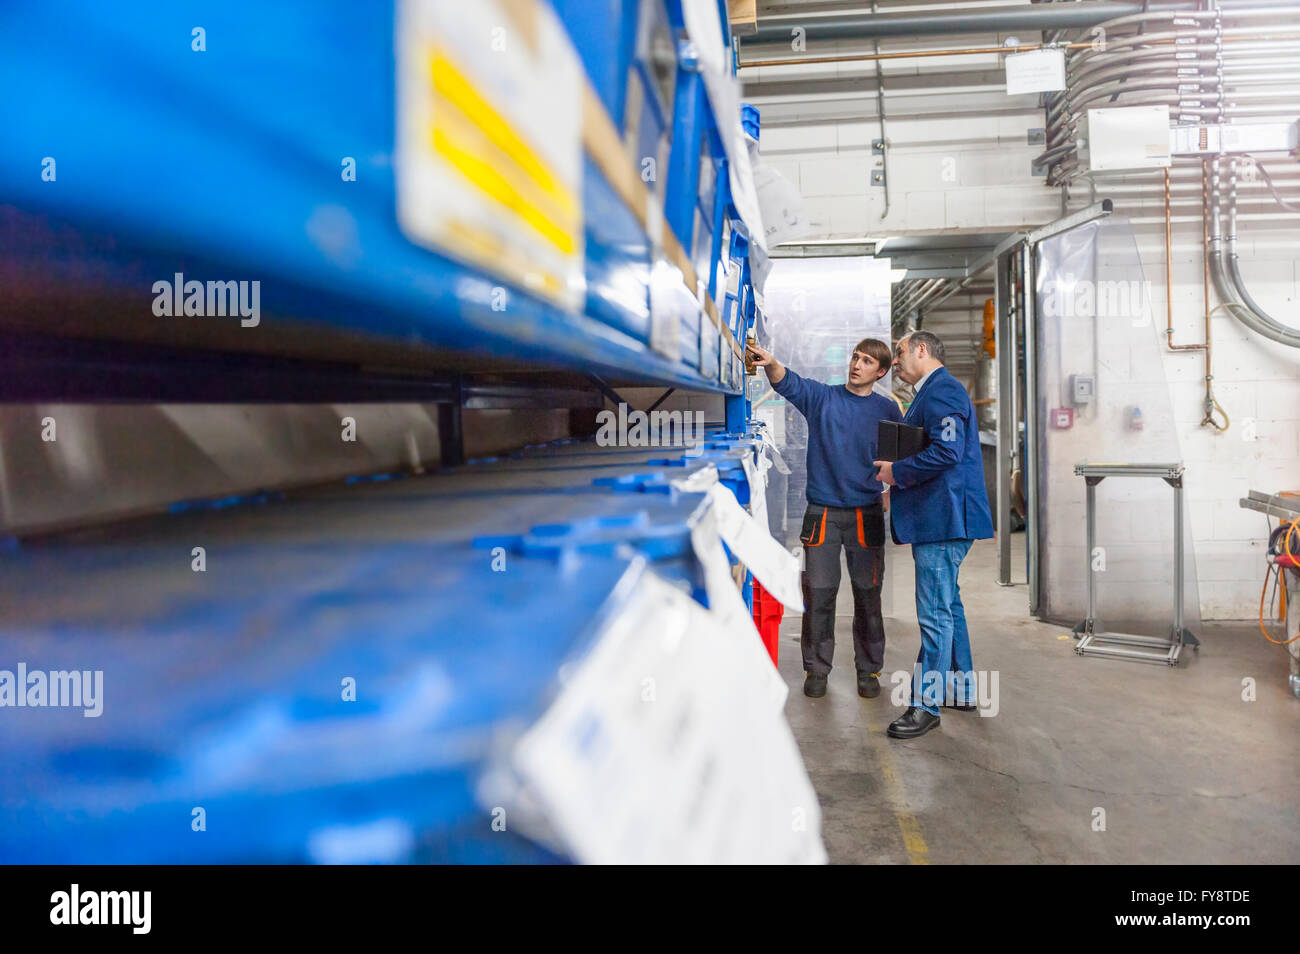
939 493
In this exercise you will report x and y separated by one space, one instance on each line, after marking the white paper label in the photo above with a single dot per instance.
726 603
658 751
754 546
698 482
489 140
1039 71
770 446
670 301
757 476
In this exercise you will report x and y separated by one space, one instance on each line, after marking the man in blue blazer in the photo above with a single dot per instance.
940 507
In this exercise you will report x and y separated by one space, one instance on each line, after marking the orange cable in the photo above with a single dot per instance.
1286 546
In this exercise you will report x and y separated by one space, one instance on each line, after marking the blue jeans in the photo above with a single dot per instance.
943 666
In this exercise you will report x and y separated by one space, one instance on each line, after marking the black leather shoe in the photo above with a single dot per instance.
868 686
913 723
814 685
963 708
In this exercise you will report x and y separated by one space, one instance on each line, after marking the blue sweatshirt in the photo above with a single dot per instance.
842 429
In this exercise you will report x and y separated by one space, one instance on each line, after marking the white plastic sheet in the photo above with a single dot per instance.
817 310
1095 318
658 750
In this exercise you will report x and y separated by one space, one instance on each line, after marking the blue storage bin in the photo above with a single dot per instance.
223 689
225 164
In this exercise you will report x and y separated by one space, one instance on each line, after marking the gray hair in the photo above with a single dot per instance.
927 338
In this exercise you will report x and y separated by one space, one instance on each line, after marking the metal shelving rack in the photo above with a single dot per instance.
224 164
458 603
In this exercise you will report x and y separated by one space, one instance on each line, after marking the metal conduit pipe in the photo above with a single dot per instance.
1253 316
957 287
1221 284
1054 153
1120 44
1120 89
917 303
1067 172
1205 55
1168 39
1240 93
1253 90
1164 61
1062 128
1082 14
907 299
913 289
1178 112
1166 65
1246 12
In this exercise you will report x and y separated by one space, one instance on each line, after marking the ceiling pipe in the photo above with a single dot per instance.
1047 16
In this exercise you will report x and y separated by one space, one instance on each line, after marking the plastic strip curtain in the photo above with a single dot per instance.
817 309
1095 318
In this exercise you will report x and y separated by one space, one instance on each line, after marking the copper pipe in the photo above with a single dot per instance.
1205 245
799 60
1205 249
1169 280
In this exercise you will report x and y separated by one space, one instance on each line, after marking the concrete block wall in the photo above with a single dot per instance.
957 168
1258 384
980 179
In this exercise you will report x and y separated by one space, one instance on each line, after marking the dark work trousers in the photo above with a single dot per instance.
860 532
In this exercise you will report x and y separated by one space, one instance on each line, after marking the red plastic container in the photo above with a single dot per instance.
767 618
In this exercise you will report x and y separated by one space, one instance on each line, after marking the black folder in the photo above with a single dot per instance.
895 441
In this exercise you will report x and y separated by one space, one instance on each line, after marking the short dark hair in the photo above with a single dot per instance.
927 338
875 348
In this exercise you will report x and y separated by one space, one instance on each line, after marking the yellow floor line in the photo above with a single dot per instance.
918 852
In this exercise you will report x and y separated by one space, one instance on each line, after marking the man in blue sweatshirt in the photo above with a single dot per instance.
845 509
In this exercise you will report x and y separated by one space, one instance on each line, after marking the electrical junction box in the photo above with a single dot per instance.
1211 139
1062 418
1125 138
1083 388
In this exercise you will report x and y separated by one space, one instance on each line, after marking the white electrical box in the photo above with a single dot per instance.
1211 139
1126 138
1083 389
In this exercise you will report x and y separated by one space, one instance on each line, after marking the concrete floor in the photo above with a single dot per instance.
1185 770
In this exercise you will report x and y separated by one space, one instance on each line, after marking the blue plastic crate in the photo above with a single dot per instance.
229 700
222 688
226 164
